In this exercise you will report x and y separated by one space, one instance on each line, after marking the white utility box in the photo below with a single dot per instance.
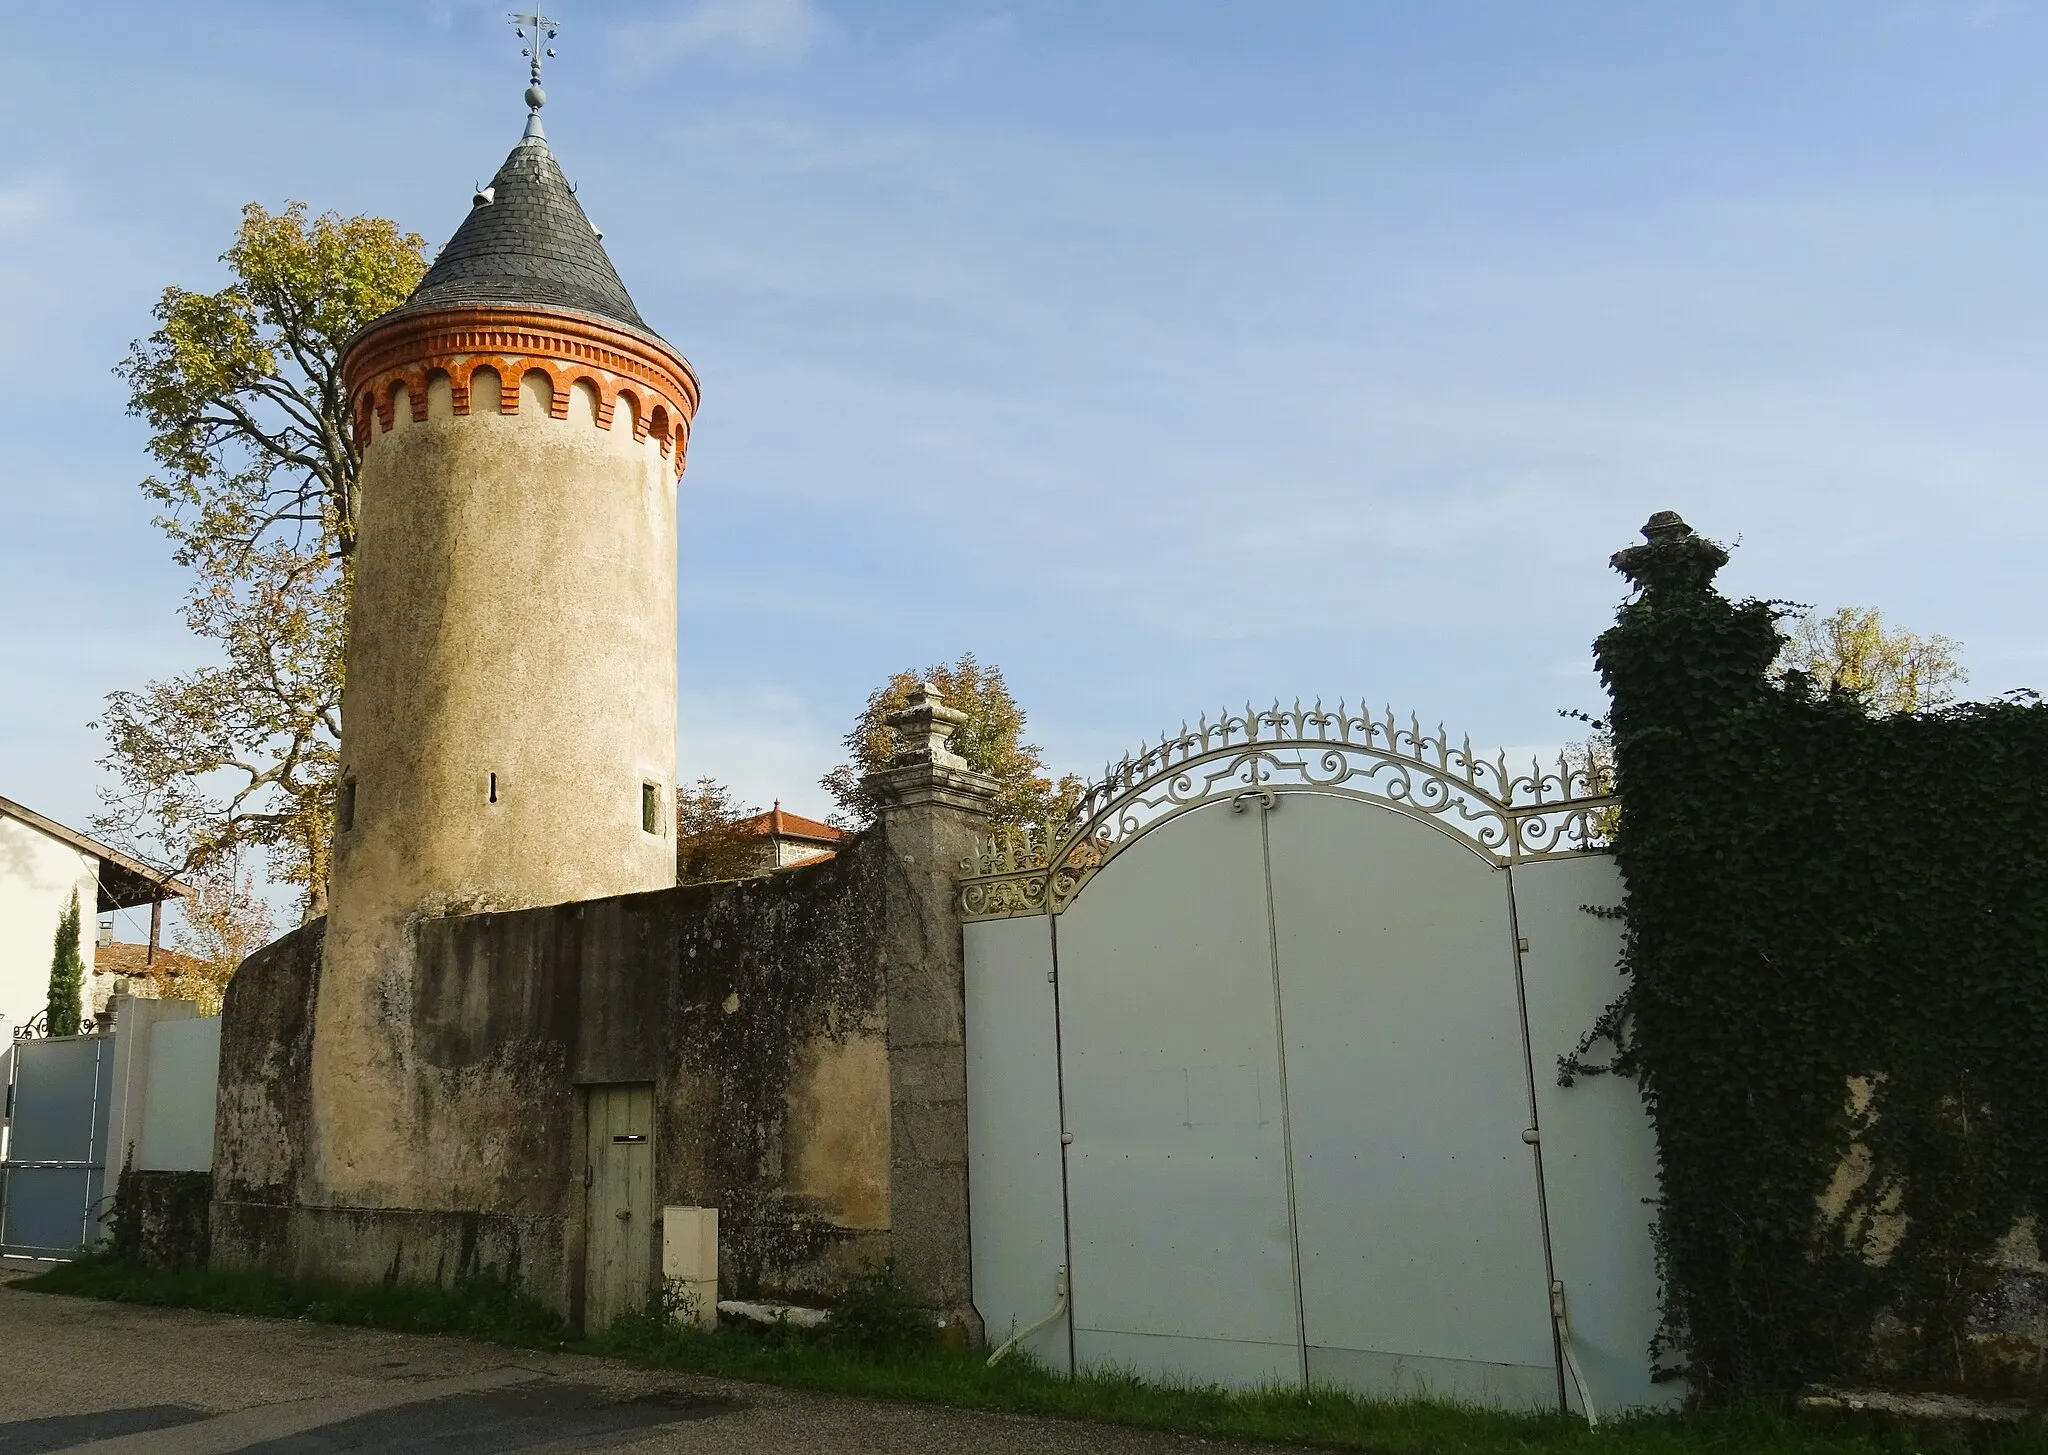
689 1260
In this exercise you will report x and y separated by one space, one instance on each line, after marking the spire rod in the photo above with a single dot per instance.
536 30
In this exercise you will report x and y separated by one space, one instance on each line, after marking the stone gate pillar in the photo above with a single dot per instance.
934 814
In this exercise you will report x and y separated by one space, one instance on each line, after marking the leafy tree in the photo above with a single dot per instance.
1851 650
1590 762
257 470
226 920
67 976
711 840
1887 670
991 740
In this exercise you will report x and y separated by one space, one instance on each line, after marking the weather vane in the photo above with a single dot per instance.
536 30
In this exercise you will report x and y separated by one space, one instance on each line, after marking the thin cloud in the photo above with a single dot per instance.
21 207
940 60
749 30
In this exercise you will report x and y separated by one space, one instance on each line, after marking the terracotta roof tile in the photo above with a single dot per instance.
778 823
121 958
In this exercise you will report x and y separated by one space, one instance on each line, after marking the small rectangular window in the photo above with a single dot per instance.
345 806
650 807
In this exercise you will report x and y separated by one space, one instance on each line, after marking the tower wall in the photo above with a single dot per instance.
510 695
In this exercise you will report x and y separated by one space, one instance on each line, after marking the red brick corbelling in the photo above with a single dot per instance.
513 342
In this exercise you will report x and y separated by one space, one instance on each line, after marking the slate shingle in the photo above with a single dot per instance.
531 244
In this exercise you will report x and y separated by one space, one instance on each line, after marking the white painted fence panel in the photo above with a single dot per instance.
1018 1222
1599 1152
178 1104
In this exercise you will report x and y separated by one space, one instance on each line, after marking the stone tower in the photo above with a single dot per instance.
509 725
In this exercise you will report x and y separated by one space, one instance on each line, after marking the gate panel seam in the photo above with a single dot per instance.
1536 1126
1059 1081
1267 803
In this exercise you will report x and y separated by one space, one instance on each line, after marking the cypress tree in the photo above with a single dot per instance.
67 976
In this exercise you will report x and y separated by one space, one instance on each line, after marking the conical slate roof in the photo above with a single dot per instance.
530 244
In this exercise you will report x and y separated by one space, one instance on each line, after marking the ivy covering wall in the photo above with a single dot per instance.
1836 1004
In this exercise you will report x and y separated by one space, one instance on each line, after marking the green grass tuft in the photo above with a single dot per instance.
480 1308
878 1355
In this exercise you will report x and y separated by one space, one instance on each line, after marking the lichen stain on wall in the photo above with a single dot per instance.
262 1111
781 1118
839 1150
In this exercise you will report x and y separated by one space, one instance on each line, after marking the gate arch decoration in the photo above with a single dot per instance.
1507 814
1252 1041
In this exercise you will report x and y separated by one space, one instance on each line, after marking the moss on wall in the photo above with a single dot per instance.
263 1108
770 974
162 1219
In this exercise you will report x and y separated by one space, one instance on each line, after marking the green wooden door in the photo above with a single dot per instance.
620 1210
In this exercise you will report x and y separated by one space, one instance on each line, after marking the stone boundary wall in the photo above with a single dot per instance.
756 1009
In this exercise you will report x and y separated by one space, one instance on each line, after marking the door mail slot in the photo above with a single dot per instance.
630 1137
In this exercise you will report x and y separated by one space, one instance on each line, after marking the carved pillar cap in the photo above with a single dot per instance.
1672 555
923 728
1665 525
924 768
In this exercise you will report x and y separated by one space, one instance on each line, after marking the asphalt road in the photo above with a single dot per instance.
78 1375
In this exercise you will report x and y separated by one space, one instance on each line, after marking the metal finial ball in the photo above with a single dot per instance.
535 97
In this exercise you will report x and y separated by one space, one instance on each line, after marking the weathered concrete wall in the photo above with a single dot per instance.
511 687
268 1212
262 1106
755 1008
161 1218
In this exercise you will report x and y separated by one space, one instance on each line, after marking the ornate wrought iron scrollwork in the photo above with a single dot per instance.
1507 815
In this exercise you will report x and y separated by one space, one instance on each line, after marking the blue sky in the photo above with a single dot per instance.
1164 352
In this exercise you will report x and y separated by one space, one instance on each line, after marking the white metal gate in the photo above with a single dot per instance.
51 1184
1180 1227
1248 1055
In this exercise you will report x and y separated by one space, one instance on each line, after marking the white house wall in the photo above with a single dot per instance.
37 876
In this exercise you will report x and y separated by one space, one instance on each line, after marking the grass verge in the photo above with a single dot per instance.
491 1310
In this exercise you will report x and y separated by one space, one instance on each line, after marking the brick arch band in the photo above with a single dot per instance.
566 349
